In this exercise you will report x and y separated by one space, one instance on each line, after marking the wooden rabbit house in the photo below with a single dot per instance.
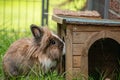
92 45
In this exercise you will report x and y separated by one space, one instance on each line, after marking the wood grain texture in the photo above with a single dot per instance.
69 52
77 49
76 61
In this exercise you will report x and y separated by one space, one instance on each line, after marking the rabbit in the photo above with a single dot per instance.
44 49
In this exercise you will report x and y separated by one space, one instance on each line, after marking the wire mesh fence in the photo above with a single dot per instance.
19 14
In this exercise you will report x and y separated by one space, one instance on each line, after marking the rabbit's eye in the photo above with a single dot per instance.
52 42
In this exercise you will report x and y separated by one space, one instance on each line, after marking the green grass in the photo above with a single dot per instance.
48 76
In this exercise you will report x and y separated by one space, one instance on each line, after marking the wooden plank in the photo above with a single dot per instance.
58 19
88 21
76 14
69 52
63 37
61 34
84 65
59 66
59 29
76 61
77 49
90 28
81 37
113 35
85 21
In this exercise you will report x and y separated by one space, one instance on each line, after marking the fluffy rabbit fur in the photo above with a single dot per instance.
45 50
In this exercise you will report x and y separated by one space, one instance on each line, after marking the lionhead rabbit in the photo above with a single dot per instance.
45 50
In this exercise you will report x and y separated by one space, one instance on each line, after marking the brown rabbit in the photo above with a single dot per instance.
45 50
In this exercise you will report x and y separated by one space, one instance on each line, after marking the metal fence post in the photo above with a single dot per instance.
102 6
45 6
106 9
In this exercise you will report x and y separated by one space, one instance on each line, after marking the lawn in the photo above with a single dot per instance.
16 17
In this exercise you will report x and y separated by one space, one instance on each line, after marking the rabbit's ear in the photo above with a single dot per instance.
37 32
